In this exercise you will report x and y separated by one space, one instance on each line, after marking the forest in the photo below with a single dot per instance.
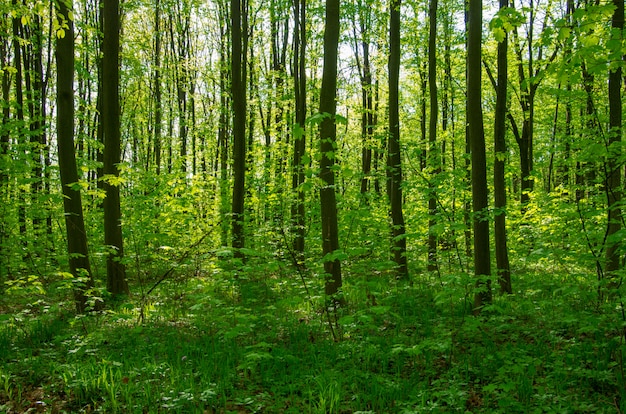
322 206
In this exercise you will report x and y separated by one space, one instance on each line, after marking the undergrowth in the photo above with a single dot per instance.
256 339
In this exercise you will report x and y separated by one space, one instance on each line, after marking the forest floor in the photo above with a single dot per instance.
252 339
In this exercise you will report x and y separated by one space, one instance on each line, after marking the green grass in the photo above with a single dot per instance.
216 344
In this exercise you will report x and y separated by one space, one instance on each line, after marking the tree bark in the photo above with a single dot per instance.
499 184
434 155
394 158
223 143
615 168
367 91
19 113
158 107
299 138
482 261
116 270
328 148
72 205
238 85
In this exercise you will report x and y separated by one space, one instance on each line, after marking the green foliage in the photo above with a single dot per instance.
251 339
504 21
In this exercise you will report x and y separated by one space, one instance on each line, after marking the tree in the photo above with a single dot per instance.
158 108
434 156
238 90
179 23
72 205
365 16
499 184
394 157
116 270
482 258
299 135
19 110
615 168
223 142
530 73
328 149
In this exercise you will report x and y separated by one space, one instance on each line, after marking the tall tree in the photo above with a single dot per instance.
482 257
35 87
180 44
434 155
223 142
530 72
499 184
299 135
328 148
238 90
6 109
365 16
113 238
158 106
19 108
72 205
615 167
394 156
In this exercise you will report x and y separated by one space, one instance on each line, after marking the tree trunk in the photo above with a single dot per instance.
158 107
116 270
394 157
5 136
499 184
35 89
6 110
615 167
367 92
72 205
223 127
482 262
328 148
238 85
19 114
299 138
434 156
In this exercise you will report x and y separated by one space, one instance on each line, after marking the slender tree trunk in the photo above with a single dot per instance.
180 46
158 106
72 205
19 112
238 85
499 184
467 204
116 269
615 167
99 155
223 126
367 91
299 137
527 93
394 157
5 134
423 75
36 108
482 261
279 37
434 154
328 147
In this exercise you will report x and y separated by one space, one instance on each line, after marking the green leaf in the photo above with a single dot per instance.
499 34
564 33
